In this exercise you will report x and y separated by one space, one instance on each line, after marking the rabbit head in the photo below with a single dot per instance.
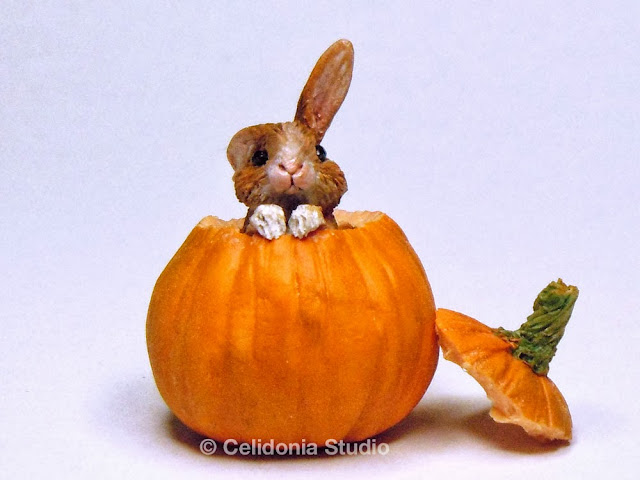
284 163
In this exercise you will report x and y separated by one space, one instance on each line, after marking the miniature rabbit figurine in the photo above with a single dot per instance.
281 172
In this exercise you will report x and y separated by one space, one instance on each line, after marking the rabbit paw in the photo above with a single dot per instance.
305 219
269 221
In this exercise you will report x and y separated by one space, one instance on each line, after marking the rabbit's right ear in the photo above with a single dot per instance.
243 145
326 88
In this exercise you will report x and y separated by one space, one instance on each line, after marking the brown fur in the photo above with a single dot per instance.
295 142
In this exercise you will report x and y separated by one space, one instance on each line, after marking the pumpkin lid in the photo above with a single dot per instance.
512 366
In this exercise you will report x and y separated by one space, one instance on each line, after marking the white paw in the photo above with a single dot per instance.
269 221
305 219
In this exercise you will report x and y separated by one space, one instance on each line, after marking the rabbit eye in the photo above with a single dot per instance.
321 152
259 158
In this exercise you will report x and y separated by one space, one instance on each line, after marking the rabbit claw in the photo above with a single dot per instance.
305 219
269 221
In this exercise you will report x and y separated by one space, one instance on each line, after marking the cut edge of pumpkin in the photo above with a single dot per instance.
346 220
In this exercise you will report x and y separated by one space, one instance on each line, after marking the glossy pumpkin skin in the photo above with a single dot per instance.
330 337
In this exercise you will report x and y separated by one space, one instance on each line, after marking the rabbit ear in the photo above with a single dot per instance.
245 143
326 88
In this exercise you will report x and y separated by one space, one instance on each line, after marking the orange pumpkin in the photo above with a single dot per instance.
330 337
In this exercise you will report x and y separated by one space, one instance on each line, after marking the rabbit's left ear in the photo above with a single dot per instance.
326 88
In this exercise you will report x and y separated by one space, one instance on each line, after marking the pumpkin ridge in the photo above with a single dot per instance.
249 283
299 409
397 280
399 379
185 316
198 319
357 237
509 377
376 328
547 395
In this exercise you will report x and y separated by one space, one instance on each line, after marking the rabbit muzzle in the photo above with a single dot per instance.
290 176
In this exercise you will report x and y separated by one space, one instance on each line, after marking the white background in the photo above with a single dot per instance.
502 136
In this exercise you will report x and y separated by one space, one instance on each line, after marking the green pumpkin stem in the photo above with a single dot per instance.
536 341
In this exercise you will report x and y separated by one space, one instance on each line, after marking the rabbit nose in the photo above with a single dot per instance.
290 167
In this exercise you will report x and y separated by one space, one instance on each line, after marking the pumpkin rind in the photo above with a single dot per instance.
329 337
